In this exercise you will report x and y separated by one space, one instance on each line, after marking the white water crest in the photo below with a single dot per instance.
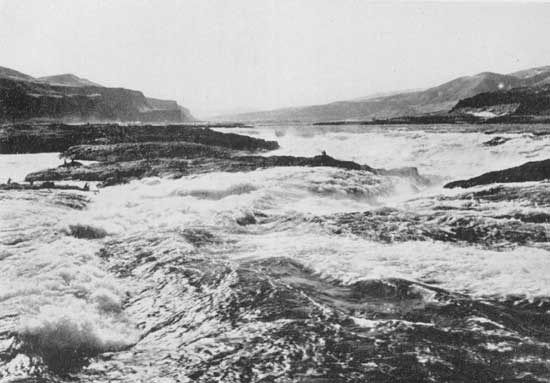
443 151
17 166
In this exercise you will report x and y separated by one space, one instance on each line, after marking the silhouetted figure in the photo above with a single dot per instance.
324 154
86 186
9 181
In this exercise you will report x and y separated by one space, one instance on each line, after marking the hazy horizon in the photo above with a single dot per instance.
215 57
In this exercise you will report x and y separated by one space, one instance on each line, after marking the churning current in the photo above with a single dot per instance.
290 274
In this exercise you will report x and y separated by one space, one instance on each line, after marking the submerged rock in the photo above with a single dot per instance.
530 171
391 225
496 141
86 231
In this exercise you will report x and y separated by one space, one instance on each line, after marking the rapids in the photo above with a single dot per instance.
286 274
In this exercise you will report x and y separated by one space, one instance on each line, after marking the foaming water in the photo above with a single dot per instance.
57 297
480 272
16 166
285 273
444 152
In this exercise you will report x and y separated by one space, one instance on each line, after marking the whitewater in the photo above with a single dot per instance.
289 273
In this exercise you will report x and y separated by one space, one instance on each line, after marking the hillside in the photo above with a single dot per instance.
66 79
437 99
72 99
523 101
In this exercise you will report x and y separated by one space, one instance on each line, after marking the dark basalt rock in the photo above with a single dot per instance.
496 141
38 186
316 161
86 231
536 195
394 225
112 173
247 219
530 171
26 138
199 237
72 164
134 151
531 217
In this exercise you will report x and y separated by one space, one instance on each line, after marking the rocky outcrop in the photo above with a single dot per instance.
145 150
526 101
530 171
26 138
72 99
111 173
38 186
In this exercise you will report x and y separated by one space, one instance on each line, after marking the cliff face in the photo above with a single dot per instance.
25 98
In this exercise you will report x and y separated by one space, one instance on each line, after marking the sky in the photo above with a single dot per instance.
218 56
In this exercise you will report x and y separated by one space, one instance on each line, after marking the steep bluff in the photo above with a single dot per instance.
24 98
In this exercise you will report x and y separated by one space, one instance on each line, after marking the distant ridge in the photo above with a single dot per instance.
67 79
14 75
438 99
69 98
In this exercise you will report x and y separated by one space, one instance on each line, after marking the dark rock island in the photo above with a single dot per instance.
131 152
33 138
530 171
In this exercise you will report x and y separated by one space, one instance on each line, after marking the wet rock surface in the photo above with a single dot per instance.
496 141
393 225
466 218
530 171
112 173
145 150
38 186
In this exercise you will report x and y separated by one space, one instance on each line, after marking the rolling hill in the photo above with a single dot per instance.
67 79
438 99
